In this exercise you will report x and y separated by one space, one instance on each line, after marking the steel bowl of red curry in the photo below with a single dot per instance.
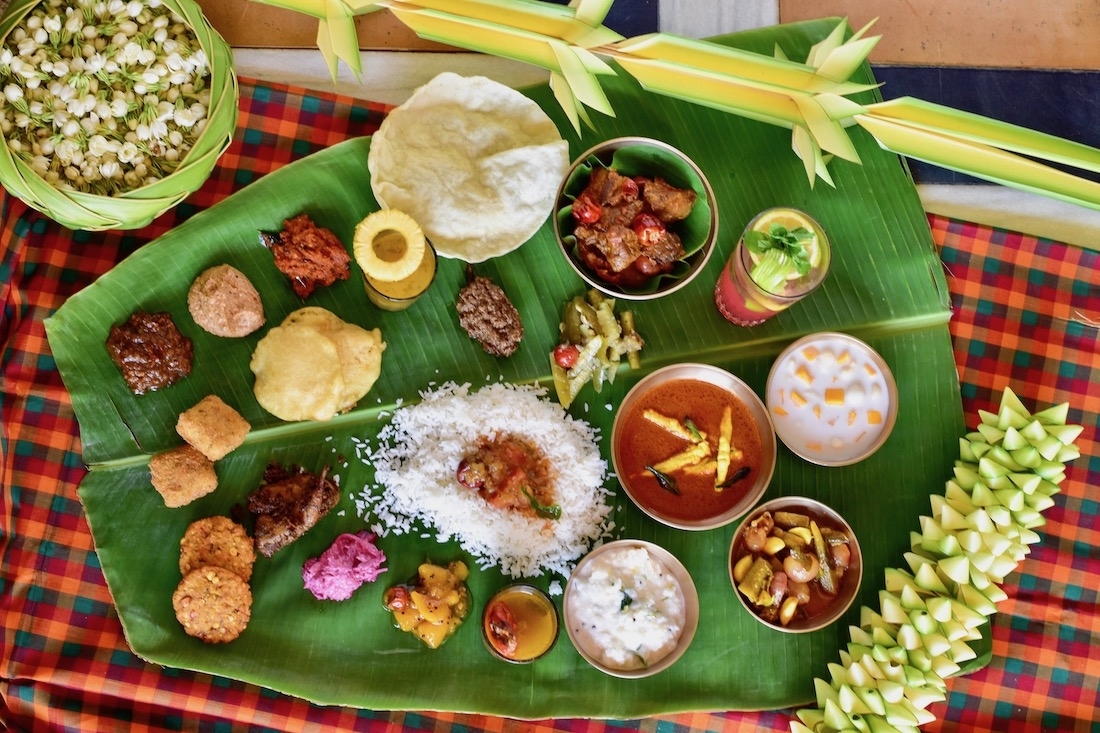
636 218
693 446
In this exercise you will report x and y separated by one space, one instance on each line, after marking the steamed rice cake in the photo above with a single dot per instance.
474 162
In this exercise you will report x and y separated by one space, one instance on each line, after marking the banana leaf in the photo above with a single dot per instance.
886 286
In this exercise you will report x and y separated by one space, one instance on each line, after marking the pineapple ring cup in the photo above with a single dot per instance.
389 245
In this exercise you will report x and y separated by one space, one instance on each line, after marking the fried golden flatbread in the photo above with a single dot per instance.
314 365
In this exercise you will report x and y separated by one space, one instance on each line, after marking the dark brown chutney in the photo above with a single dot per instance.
150 351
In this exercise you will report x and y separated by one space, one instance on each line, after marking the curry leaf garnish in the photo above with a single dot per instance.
692 428
738 475
553 511
665 481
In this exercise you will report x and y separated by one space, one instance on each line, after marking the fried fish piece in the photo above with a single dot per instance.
288 504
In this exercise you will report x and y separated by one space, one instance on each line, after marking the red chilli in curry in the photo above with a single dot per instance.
692 487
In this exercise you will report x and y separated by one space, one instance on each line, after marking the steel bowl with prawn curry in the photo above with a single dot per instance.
636 218
795 564
693 446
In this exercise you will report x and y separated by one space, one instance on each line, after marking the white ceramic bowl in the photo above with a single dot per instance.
823 426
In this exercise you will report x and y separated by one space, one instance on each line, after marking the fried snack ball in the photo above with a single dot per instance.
314 365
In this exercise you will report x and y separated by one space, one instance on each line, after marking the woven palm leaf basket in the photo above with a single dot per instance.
127 205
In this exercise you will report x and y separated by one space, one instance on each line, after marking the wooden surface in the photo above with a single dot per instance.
984 33
247 24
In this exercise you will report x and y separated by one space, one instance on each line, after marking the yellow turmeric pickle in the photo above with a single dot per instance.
433 605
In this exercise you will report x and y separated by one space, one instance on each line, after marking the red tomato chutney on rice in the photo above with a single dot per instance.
670 449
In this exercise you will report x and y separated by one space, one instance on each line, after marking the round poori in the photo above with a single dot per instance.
474 162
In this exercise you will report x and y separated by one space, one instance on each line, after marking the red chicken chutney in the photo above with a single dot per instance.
644 443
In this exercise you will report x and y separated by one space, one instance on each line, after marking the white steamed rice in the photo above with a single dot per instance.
417 457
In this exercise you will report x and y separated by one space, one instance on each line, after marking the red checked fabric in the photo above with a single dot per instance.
1026 316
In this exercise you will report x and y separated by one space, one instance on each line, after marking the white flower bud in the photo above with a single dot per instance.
110 169
52 24
134 8
42 36
13 92
129 27
97 145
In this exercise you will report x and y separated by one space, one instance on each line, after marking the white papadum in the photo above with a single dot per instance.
474 162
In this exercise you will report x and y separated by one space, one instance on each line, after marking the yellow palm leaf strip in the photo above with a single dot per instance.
568 101
828 133
592 12
969 126
806 148
337 37
836 59
478 35
711 57
578 68
533 16
980 160
717 91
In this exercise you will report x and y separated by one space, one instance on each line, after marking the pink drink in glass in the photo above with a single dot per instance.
743 301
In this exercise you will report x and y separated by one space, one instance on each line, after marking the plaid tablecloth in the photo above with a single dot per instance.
1027 312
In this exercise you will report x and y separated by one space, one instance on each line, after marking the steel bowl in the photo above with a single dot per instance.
850 582
643 156
739 389
691 609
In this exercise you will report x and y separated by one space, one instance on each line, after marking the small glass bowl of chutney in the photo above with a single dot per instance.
519 623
